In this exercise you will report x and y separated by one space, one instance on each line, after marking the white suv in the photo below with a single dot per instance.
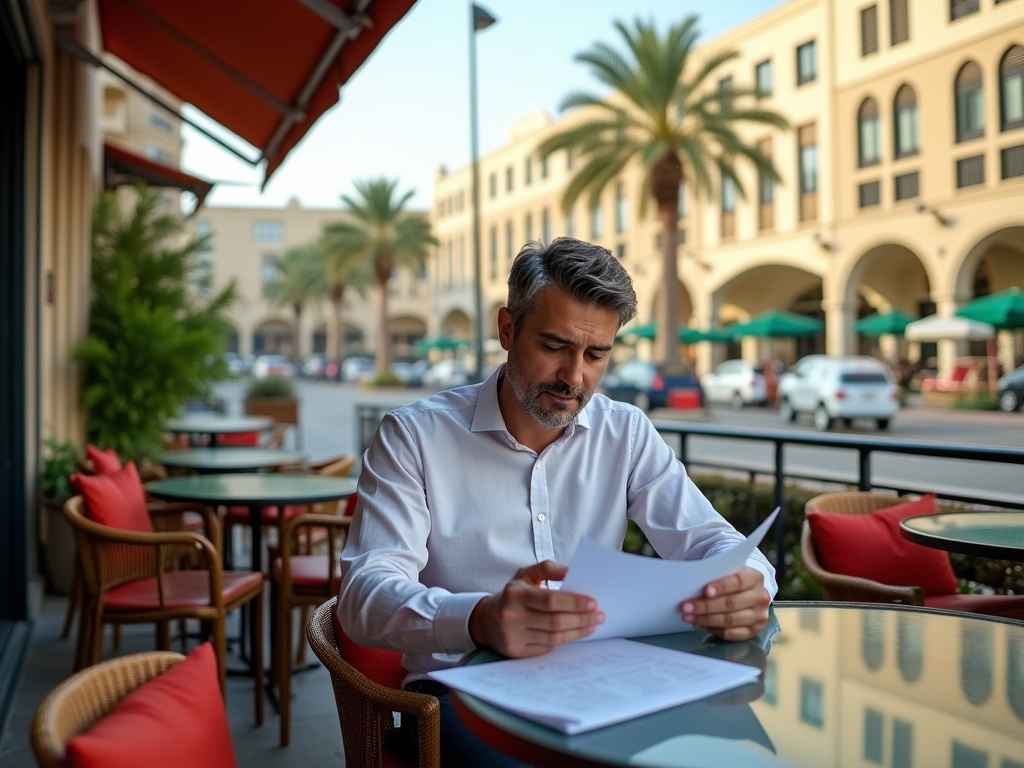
735 382
831 388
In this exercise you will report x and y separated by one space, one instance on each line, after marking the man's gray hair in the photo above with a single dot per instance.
587 272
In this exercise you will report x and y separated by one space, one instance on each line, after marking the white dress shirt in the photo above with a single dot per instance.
451 506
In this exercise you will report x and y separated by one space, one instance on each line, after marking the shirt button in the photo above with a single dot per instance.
540 518
536 466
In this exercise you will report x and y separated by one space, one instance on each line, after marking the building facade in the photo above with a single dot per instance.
902 183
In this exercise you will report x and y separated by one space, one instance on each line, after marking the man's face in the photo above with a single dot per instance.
558 356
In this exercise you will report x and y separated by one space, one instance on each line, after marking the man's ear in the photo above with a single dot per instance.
506 329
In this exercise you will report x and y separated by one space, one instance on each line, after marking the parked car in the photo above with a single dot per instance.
314 367
646 384
446 374
236 365
272 365
830 388
411 374
1011 390
358 369
735 382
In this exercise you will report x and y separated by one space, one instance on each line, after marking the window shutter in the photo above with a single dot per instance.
899 21
969 74
905 97
807 134
869 30
1013 58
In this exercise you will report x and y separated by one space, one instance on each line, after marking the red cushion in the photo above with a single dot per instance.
240 515
1007 606
350 505
870 546
238 438
193 521
307 570
103 461
383 667
116 499
182 589
177 718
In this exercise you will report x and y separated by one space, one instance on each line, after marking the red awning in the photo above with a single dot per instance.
264 69
123 167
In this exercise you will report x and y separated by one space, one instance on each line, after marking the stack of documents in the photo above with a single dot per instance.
606 679
581 686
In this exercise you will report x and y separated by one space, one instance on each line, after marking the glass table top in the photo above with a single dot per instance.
223 459
993 534
253 489
842 686
216 424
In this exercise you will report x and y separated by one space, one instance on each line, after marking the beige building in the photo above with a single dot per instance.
902 183
245 242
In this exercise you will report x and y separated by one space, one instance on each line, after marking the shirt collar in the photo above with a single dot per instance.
487 417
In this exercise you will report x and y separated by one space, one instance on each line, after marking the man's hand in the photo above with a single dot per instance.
733 608
525 619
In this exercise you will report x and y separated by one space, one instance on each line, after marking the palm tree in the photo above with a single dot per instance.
665 114
383 236
343 269
300 280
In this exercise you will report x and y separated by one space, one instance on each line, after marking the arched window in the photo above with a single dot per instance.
1015 676
905 110
872 640
869 147
909 646
976 645
1011 85
970 103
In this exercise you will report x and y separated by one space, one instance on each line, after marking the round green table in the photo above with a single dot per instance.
843 684
212 460
998 535
253 491
215 424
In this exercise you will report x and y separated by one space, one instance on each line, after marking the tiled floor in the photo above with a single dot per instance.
316 738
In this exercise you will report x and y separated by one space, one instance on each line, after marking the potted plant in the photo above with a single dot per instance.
274 397
60 462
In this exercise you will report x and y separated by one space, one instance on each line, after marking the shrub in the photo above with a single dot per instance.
386 378
980 401
60 462
270 387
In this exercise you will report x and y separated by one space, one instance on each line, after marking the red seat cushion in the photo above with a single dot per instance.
383 667
307 570
240 515
870 546
116 499
182 589
193 521
1007 606
350 505
103 461
238 438
177 718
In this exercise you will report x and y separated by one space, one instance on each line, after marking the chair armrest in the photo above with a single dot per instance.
835 586
213 520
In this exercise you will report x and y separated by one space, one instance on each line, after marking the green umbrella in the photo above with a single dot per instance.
439 342
777 324
891 323
1004 310
715 335
645 331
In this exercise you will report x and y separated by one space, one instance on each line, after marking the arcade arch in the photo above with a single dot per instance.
273 337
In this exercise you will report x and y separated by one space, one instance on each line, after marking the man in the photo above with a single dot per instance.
472 501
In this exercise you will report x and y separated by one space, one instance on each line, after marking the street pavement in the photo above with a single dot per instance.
328 427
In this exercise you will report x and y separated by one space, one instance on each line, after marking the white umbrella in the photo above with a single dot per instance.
937 328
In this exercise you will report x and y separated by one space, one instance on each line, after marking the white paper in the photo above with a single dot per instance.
641 595
581 686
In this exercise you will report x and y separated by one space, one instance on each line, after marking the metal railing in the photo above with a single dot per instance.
865 447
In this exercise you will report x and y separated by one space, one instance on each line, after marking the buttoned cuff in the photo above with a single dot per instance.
451 622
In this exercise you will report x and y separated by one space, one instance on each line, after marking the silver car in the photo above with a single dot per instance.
735 382
831 388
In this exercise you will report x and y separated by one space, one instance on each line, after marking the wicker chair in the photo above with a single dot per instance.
128 580
365 708
78 703
300 579
835 586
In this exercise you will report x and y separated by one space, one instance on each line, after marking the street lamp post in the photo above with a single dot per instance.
479 19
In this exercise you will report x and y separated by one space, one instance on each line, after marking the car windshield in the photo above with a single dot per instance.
864 377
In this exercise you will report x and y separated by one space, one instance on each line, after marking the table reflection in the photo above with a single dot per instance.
842 685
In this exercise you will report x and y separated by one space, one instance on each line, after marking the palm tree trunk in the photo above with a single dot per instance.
665 179
383 357
335 342
296 333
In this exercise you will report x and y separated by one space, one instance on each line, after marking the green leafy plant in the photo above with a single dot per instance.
59 463
981 401
270 387
386 379
155 339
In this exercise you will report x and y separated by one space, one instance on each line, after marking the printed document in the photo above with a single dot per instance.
641 595
581 686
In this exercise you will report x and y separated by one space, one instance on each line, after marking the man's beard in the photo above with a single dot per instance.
557 415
